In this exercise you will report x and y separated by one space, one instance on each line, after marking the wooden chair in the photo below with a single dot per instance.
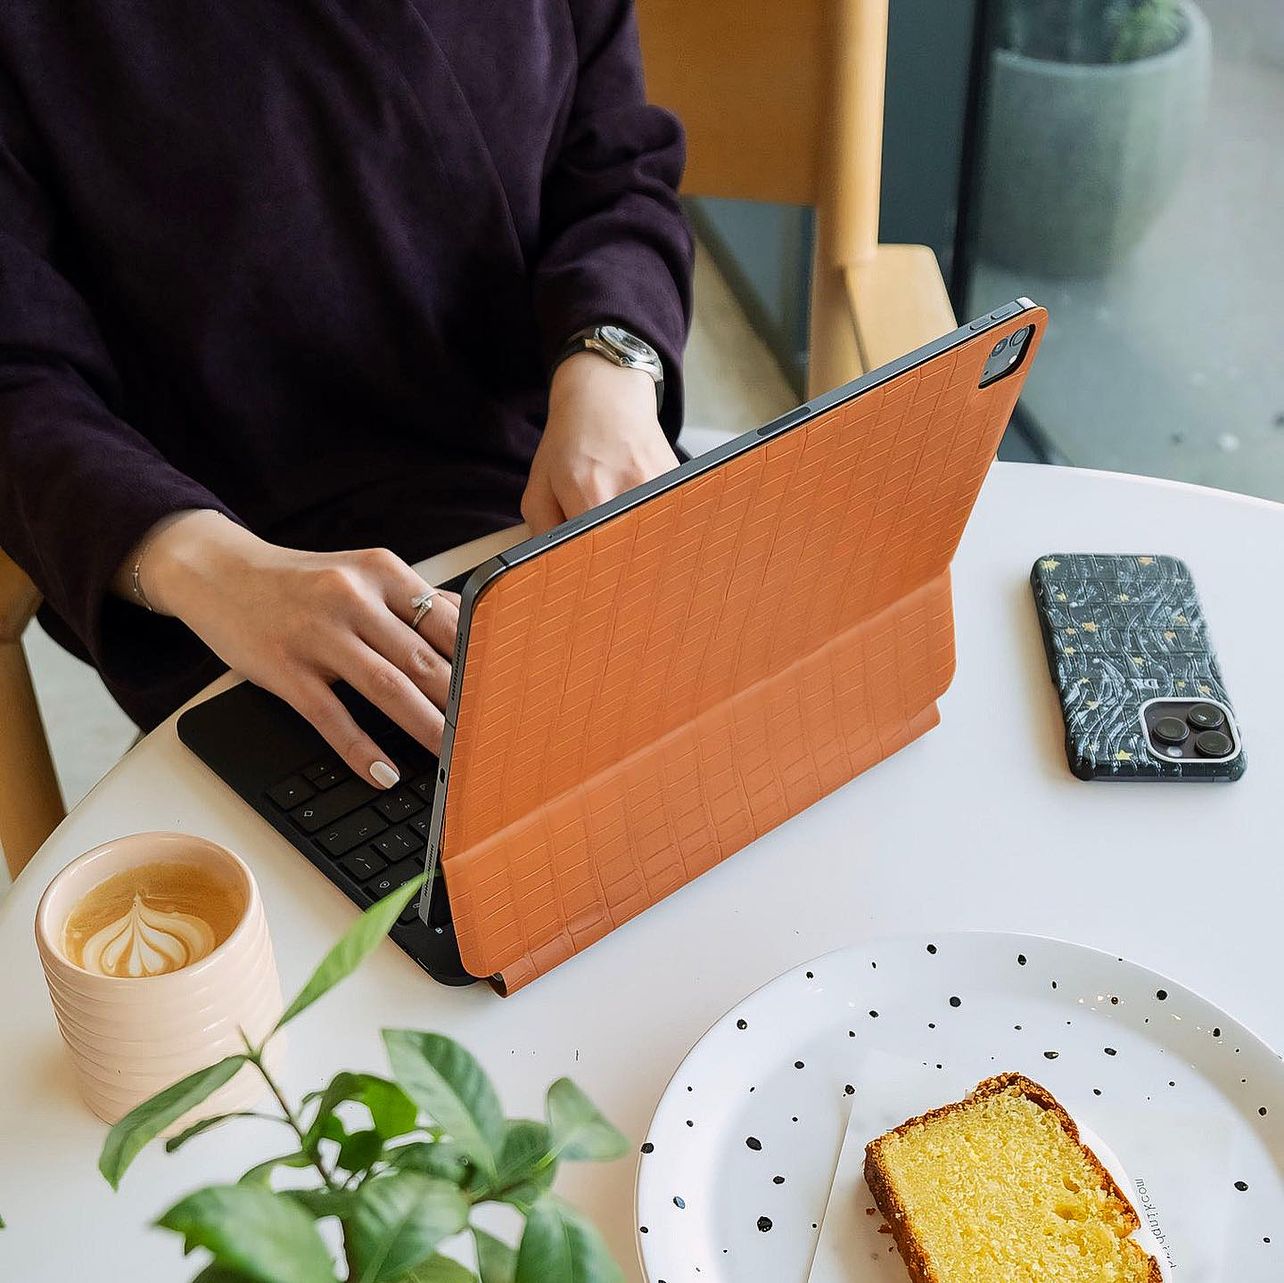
30 801
784 102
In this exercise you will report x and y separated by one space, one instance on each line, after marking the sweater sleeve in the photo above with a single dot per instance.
614 242
78 486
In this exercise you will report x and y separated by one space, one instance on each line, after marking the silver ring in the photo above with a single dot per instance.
422 604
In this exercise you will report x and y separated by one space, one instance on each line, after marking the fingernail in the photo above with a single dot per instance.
384 775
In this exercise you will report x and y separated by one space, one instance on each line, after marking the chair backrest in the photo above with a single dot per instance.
781 102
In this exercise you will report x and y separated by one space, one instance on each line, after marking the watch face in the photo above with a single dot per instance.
626 343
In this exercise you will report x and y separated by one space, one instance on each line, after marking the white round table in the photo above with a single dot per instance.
979 824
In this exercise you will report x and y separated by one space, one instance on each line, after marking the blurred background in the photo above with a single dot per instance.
1120 162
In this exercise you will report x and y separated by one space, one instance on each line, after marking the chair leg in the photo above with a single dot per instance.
31 803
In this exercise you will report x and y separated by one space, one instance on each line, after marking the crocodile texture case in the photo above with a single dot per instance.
1127 646
642 692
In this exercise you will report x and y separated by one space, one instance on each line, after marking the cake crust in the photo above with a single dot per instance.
894 1213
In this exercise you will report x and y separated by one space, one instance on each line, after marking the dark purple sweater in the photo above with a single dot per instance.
305 262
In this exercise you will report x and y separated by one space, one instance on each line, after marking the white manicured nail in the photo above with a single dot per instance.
384 775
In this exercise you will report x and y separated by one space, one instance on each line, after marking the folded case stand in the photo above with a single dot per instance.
640 698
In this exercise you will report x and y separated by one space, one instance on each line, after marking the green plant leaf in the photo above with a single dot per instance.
392 1112
252 1231
439 1269
496 1261
526 1166
360 1150
398 1220
558 1243
261 1173
319 1203
146 1121
452 1089
354 946
579 1129
204 1125
216 1273
440 1158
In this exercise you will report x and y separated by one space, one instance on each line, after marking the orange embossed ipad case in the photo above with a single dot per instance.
644 690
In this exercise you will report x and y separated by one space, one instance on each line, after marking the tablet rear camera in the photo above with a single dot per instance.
1205 717
1213 744
1171 730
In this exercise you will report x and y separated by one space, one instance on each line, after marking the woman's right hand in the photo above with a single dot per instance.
295 622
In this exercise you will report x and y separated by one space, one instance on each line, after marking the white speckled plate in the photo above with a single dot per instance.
736 1169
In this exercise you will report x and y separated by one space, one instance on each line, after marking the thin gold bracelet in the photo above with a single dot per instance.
135 577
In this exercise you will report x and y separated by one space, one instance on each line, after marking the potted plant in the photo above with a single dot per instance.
431 1144
1091 109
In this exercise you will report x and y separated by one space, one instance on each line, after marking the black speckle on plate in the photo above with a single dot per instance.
764 1223
1051 1055
679 1201
849 1090
1110 1051
1217 1033
1161 994
647 1147
777 1180
956 1002
1262 1111
742 1024
931 948
753 1142
1020 960
874 1015
1096 1091
798 1064
690 1123
1241 1186
642 1229
811 975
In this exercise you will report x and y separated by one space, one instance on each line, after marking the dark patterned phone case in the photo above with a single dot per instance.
1126 639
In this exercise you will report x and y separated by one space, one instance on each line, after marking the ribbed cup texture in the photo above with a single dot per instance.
130 1038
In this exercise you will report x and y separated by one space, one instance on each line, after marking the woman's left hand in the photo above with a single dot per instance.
602 437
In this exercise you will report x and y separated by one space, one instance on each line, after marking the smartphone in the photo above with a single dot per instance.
1140 687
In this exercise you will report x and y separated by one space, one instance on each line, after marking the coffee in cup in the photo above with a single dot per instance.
156 951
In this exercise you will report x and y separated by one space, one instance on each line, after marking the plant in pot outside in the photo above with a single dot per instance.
430 1145
1090 111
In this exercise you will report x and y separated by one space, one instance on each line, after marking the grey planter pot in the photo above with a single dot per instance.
1080 159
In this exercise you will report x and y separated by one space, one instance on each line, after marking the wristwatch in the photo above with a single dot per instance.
621 348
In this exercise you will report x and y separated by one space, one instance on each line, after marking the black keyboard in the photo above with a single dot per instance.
367 841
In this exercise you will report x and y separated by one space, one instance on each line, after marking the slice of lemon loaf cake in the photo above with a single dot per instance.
998 1188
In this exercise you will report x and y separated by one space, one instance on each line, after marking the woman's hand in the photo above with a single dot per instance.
602 438
294 622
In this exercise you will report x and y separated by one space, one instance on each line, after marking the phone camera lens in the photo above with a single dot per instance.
1170 730
999 346
1020 337
1213 743
1205 717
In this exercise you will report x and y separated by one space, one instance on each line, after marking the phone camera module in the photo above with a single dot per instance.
1213 744
1170 730
1205 717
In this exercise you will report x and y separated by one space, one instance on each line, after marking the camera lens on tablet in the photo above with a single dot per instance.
1170 730
1205 717
1213 744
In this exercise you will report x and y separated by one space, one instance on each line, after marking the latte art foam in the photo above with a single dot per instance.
148 941
152 920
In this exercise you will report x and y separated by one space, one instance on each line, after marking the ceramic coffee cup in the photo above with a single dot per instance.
134 1034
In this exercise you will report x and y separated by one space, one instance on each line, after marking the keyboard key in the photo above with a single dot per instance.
363 865
340 837
398 875
399 804
410 913
292 792
421 824
325 775
425 786
398 843
327 807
